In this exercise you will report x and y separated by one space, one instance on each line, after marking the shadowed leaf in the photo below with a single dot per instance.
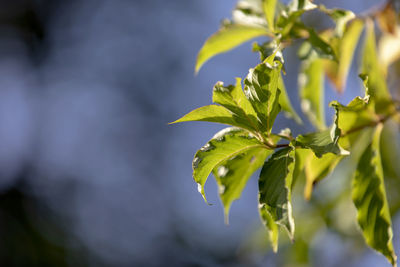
233 174
323 142
275 194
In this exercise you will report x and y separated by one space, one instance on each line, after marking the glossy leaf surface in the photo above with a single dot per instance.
261 88
225 145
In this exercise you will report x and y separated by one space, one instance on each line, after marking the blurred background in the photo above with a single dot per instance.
90 172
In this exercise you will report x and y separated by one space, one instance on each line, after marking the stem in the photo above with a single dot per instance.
355 129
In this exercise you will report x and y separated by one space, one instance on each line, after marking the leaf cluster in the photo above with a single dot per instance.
251 106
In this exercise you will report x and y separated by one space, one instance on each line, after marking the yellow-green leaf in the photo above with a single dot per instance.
233 98
269 7
372 67
226 39
311 86
218 114
261 88
369 197
316 169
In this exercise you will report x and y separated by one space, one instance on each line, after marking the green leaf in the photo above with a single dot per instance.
311 85
371 66
225 145
369 197
266 51
233 174
269 7
322 49
323 142
275 193
226 39
234 99
261 88
218 114
358 114
338 71
317 169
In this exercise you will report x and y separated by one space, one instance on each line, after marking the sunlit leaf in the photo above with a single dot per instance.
269 10
234 99
275 193
261 88
311 86
369 197
266 50
218 114
338 71
226 39
318 168
233 174
358 114
225 145
370 65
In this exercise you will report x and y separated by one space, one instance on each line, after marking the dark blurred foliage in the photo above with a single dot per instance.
30 234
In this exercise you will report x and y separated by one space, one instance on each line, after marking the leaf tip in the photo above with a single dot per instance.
200 188
226 216
197 69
